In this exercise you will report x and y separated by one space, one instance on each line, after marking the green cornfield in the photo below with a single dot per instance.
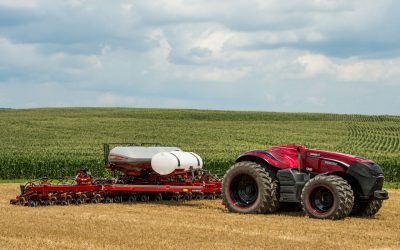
58 141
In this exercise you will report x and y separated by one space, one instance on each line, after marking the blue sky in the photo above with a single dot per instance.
338 56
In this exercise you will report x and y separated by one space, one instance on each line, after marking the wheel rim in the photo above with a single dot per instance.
244 191
321 199
144 198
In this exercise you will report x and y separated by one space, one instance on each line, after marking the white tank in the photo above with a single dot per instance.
165 163
136 154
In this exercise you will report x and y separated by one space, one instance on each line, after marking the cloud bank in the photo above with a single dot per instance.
299 56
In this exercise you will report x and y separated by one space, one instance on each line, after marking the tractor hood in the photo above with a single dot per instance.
285 156
288 154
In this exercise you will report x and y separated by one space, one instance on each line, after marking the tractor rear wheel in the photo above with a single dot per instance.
366 208
248 188
327 197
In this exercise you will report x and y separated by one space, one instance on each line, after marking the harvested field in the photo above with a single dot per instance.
187 225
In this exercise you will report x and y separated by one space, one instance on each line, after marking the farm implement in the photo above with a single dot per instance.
328 185
139 173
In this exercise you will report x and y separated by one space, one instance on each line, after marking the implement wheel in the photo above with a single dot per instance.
65 201
132 199
118 199
53 201
83 198
199 196
144 198
22 201
46 202
158 197
176 197
95 200
33 203
248 188
327 197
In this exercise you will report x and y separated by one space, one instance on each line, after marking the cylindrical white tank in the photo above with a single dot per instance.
136 154
165 163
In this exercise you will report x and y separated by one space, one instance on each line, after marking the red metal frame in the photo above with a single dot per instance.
135 178
212 187
45 190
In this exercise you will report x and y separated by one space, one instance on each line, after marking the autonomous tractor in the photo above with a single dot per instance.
327 185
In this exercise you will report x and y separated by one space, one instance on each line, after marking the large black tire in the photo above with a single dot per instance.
248 188
327 197
366 208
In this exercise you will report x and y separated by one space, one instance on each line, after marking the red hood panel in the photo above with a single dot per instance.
287 155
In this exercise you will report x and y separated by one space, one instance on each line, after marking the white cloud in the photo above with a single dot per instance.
214 40
315 65
351 69
159 54
384 71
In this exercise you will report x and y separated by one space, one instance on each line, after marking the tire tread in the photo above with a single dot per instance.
345 196
366 208
269 202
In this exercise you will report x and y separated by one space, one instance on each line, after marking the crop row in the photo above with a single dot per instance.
57 142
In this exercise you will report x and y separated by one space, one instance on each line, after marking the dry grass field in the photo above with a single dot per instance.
187 225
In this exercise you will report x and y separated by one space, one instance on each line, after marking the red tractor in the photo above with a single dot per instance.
328 185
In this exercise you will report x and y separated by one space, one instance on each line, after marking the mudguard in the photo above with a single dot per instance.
259 156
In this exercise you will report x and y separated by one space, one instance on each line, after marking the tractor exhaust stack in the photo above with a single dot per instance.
299 159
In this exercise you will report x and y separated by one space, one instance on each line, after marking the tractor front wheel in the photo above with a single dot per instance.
327 197
248 188
366 208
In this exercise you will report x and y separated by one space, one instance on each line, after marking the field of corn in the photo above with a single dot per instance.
57 142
